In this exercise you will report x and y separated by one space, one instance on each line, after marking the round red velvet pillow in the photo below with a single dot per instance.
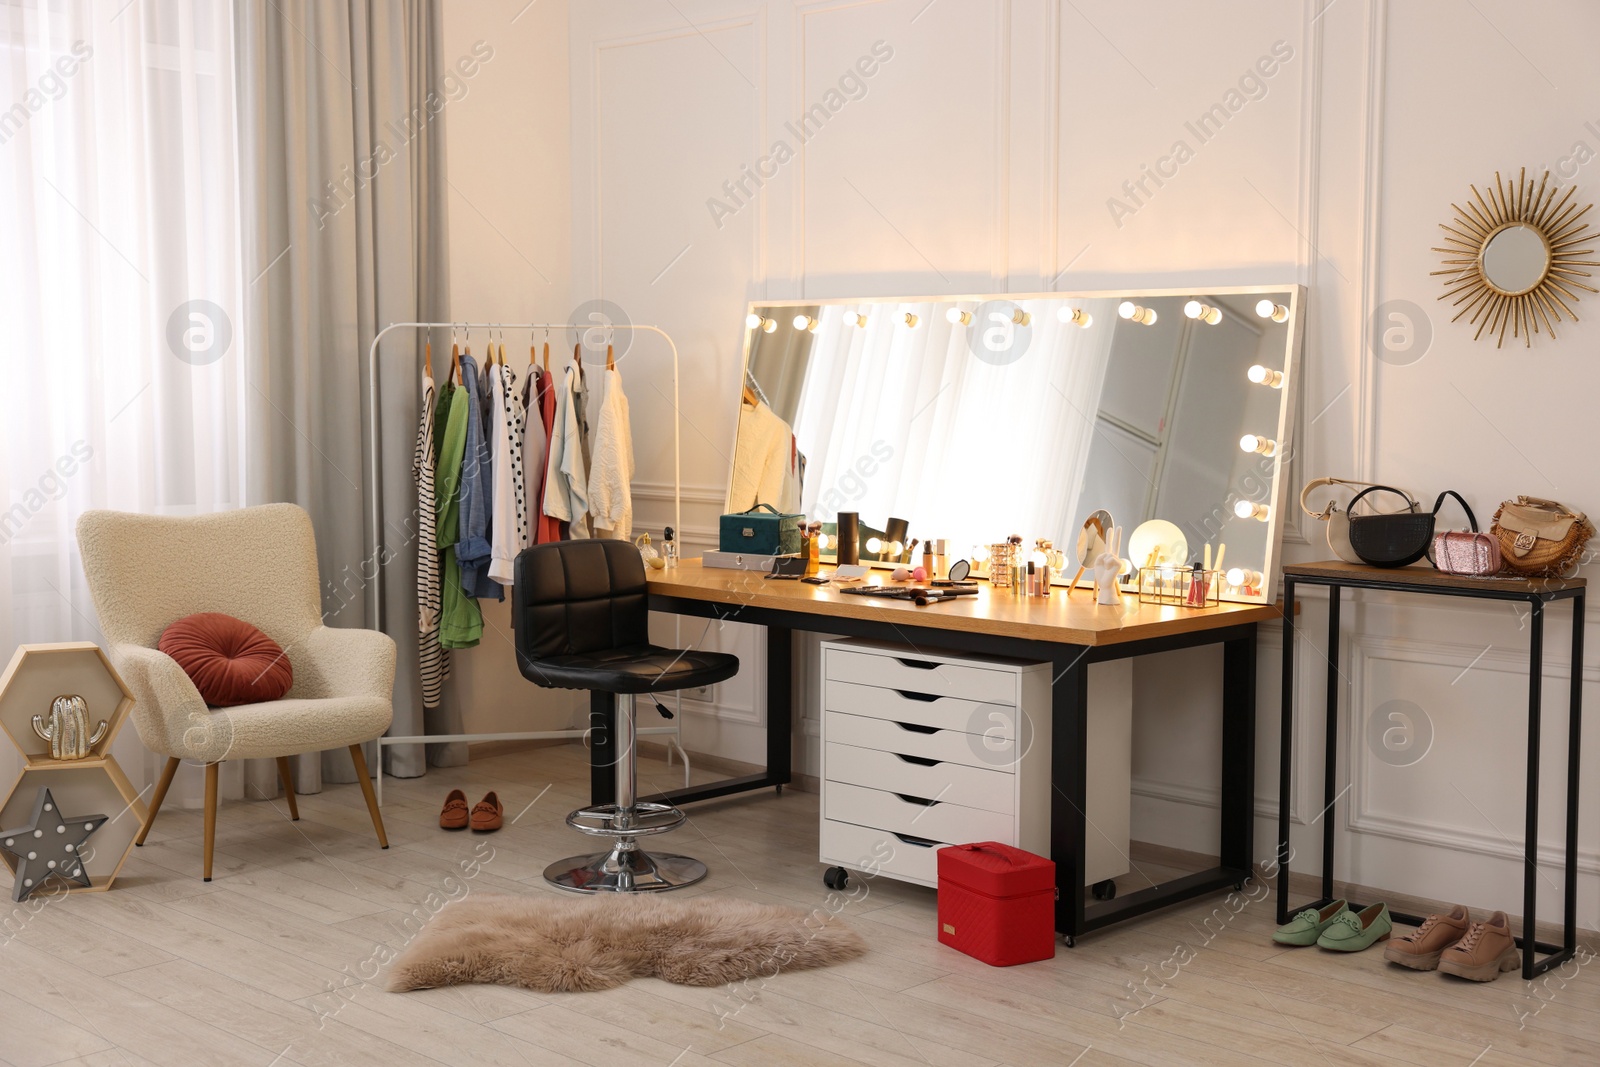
229 661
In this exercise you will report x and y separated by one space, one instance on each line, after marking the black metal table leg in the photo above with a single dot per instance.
603 754
1569 934
780 704
1330 764
1530 870
1285 749
1069 748
1238 751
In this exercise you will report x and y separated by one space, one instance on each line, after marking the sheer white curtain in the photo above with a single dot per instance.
120 289
916 423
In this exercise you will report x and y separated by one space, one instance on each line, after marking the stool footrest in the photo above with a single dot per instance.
612 820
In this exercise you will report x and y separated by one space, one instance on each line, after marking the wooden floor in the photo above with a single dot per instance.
275 962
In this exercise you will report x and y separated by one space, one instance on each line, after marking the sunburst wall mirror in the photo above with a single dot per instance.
1514 261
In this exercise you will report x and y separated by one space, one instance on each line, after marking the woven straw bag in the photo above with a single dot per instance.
1541 538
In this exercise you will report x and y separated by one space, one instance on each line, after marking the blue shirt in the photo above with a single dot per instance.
477 493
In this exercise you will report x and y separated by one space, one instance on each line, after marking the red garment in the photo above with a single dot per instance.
546 529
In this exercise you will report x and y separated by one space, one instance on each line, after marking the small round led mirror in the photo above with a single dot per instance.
1515 259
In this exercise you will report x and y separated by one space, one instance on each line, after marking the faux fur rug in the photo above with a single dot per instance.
554 945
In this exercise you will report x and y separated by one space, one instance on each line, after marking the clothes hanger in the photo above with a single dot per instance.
750 396
547 351
455 357
427 359
611 358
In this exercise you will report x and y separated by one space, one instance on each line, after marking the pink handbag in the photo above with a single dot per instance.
1468 553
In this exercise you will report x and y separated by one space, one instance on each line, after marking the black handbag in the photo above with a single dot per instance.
1396 540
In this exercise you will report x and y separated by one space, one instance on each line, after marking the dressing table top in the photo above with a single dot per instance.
1074 620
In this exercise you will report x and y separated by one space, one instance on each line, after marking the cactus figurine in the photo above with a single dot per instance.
68 732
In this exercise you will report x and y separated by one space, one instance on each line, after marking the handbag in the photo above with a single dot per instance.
761 531
1473 554
1338 528
1395 540
1540 538
1466 552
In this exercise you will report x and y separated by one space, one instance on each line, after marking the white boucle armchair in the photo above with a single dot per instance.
257 564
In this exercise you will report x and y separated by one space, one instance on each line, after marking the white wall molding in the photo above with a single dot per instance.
1362 815
1371 218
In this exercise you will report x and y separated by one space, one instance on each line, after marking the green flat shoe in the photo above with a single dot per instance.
1354 931
1307 926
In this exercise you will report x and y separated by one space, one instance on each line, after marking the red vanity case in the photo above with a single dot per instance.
997 903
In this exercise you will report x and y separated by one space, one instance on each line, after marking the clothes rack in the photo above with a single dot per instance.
377 558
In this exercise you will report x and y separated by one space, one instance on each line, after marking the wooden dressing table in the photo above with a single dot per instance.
1070 633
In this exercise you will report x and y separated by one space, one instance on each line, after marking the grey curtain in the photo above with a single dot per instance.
342 177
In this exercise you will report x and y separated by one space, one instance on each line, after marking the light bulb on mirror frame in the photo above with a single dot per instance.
1269 309
1127 309
1266 446
823 541
1242 577
1075 317
874 545
806 323
911 320
1021 318
1247 509
895 549
1260 375
1205 313
753 321
769 325
956 316
855 318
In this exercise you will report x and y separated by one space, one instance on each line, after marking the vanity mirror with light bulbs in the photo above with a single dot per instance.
970 418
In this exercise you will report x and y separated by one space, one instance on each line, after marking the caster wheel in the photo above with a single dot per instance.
836 878
1238 887
1104 890
1071 941
778 790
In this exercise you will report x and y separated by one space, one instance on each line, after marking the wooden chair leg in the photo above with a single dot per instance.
160 794
211 814
288 787
366 790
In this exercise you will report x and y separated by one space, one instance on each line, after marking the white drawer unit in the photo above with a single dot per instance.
922 750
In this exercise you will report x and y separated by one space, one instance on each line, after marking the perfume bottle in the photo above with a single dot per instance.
669 547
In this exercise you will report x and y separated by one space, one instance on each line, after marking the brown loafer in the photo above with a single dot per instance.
1422 949
487 814
454 814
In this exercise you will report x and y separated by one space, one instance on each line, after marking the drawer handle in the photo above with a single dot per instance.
916 728
926 698
920 842
920 761
918 664
917 800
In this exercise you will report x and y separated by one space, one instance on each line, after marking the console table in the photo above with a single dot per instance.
1069 633
1536 593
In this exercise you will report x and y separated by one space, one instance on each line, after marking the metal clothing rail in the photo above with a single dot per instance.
375 517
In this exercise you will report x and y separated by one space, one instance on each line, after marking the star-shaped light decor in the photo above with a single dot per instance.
49 845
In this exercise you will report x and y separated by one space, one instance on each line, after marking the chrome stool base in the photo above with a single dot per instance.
624 870
613 820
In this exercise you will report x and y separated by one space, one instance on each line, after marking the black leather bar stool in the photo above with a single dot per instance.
582 622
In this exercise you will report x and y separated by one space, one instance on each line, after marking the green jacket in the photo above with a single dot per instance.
460 618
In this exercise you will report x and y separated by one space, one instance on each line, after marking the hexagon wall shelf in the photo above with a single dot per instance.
37 675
